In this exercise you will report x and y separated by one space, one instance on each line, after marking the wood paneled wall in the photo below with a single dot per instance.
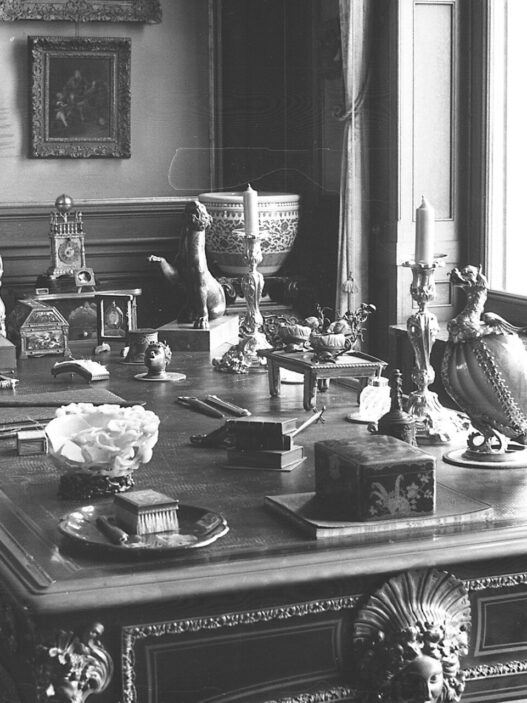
119 236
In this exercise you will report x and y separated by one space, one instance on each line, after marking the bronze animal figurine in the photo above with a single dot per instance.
205 295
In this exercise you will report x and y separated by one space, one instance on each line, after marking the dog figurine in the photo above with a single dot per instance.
206 297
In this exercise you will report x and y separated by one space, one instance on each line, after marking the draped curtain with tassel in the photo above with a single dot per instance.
352 275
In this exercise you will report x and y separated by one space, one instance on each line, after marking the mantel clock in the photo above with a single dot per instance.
68 257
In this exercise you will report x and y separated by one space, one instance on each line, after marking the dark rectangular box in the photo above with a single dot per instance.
261 432
375 477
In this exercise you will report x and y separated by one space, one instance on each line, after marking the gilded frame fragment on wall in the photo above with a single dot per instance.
80 97
81 10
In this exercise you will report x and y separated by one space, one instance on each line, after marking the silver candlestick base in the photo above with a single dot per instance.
244 355
435 424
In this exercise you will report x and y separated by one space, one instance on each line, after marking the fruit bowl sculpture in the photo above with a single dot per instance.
99 447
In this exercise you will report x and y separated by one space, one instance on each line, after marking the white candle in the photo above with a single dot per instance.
424 233
250 212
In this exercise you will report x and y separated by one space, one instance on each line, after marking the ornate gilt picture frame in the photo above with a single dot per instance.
80 97
81 10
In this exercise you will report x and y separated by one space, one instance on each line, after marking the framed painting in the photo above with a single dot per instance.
81 10
80 97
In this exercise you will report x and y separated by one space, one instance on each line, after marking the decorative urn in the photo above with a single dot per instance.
278 215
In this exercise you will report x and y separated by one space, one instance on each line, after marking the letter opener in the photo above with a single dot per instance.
225 405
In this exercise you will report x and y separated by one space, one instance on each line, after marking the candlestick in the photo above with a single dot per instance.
434 423
250 212
424 233
244 355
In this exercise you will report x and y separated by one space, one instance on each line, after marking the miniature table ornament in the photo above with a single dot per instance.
484 370
396 422
204 295
138 342
37 329
351 365
116 315
374 401
157 357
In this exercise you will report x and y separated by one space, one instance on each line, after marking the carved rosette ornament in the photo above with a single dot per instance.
73 667
410 636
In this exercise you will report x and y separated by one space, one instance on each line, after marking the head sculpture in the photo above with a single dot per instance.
196 216
410 636
157 358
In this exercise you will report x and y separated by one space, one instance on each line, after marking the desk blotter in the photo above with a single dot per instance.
453 508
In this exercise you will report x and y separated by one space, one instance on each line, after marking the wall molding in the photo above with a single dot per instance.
119 236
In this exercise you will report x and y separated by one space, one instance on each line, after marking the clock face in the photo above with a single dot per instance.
69 251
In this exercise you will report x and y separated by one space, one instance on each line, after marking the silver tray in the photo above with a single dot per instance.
198 527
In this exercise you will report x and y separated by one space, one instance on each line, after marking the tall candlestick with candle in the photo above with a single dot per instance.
434 423
250 212
244 355
424 233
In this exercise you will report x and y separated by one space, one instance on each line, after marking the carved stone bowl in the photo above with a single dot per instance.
99 447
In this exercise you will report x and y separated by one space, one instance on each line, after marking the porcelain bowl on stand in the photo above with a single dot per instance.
278 215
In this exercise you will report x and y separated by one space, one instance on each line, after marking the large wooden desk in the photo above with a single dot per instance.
264 612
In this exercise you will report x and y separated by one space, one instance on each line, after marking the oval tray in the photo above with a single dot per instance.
198 527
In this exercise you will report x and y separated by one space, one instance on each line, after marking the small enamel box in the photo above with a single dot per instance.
146 511
31 442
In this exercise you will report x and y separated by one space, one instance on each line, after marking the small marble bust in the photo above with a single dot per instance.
157 358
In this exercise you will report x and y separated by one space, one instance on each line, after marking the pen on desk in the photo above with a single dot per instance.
225 405
199 405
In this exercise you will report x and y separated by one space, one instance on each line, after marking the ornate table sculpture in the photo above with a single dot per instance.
485 372
434 423
355 365
244 355
253 338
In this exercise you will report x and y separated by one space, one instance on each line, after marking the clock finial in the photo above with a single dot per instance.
64 203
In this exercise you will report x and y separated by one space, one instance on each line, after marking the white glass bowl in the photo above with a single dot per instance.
103 440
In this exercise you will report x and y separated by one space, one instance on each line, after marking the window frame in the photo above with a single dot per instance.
476 221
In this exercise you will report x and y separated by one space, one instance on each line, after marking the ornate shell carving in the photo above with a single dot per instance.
413 614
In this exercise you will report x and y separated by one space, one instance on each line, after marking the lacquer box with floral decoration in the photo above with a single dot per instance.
374 477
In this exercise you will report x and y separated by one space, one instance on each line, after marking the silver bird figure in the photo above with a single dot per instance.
484 368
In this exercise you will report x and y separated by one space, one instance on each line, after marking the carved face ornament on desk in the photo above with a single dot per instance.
422 680
410 636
